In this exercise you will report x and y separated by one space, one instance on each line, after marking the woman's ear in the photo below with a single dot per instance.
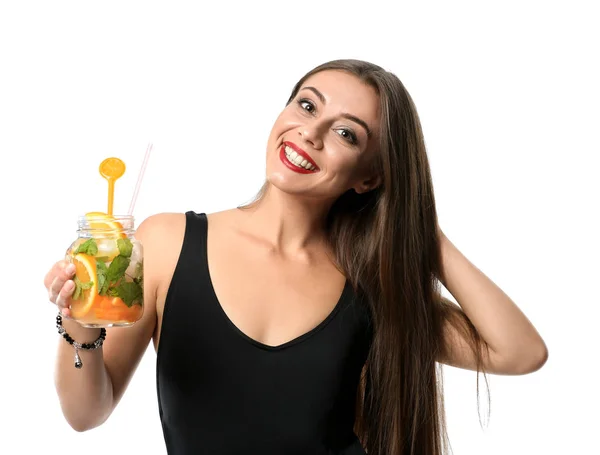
368 184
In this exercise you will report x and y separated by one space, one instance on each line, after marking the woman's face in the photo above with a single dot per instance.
321 144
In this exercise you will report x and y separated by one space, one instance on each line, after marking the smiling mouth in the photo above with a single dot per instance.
298 157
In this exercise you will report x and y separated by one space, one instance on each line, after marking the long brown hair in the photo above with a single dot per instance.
386 242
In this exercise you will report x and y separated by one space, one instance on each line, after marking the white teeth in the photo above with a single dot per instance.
291 153
298 160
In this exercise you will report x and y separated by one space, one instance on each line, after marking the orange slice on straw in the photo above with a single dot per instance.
85 271
111 169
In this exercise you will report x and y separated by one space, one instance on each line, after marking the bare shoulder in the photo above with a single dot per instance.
158 227
162 237
229 219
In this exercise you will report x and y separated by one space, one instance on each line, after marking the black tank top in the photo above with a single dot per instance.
222 393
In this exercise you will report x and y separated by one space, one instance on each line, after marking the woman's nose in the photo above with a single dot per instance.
311 134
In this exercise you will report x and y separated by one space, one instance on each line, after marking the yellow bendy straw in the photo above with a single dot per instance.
111 169
139 179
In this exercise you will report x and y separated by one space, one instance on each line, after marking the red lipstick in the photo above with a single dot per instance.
300 152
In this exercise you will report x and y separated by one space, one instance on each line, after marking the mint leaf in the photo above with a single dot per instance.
88 285
80 287
130 292
113 292
117 268
88 247
125 247
77 292
101 272
103 258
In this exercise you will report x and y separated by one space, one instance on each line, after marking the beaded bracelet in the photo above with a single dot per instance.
89 346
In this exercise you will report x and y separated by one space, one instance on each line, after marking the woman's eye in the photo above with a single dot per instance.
348 135
307 106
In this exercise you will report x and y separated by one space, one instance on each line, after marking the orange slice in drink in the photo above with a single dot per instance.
104 223
85 271
114 309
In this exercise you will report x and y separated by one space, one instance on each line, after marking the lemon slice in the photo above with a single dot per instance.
85 271
104 223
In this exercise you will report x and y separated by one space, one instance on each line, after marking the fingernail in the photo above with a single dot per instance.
70 269
69 285
64 312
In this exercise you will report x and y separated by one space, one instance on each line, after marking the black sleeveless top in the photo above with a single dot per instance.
222 393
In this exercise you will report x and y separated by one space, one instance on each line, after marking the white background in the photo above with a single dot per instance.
509 100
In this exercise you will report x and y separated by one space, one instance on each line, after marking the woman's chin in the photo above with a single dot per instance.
288 184
283 182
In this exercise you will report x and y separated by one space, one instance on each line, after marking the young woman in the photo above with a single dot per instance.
309 321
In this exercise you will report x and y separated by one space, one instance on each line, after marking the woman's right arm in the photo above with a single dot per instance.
90 394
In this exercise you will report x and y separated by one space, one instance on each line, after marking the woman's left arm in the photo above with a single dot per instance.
515 345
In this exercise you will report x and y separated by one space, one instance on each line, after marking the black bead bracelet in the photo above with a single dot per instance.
89 346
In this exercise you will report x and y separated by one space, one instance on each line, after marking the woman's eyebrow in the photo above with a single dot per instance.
351 117
316 92
362 123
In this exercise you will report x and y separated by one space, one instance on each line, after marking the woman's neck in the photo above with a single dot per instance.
289 223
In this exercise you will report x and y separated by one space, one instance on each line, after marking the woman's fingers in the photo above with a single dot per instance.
64 295
59 283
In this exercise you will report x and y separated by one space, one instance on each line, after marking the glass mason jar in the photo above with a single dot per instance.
109 276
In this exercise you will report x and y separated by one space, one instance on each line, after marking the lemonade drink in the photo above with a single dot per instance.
109 276
109 270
